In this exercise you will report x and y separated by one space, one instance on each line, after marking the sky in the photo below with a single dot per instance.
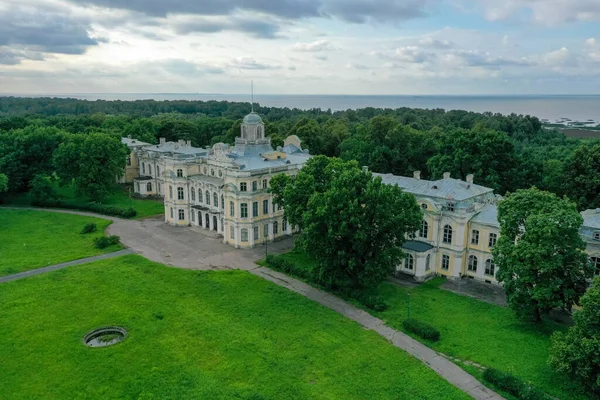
300 46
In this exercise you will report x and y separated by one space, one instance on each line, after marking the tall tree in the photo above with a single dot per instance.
582 176
577 352
3 183
352 224
539 254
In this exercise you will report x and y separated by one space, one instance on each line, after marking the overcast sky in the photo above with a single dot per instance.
300 46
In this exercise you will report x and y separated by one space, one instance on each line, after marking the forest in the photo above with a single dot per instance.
505 152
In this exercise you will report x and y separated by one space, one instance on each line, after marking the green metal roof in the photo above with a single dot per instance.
419 247
253 119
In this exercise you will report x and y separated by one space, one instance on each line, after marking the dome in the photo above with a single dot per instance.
253 119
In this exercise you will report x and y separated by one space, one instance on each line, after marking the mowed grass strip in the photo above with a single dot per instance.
473 330
192 335
32 239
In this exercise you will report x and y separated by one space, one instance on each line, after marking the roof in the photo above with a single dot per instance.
447 188
177 148
415 245
249 157
208 179
253 119
133 142
488 216
591 218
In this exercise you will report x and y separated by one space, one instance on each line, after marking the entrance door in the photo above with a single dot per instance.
199 218
215 223
207 221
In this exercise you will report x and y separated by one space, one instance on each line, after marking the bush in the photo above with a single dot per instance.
41 189
281 265
104 242
421 329
513 385
89 228
93 207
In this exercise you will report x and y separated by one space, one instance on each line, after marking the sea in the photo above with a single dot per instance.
549 108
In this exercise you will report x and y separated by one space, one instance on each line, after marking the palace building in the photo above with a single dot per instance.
220 188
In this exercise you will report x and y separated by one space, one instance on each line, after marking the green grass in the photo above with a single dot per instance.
192 335
119 196
472 330
34 239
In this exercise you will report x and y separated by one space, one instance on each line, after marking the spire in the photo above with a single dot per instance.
252 91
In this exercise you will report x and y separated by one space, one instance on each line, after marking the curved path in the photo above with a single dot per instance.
189 248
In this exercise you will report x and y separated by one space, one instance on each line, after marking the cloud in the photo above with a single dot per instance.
362 11
559 58
474 58
44 28
356 66
251 63
543 12
184 67
413 54
10 56
317 46
259 28
436 43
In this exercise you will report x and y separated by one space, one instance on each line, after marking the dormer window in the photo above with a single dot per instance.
450 207
180 173
596 235
424 206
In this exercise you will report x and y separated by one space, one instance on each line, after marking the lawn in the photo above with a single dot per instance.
192 335
119 196
34 239
472 330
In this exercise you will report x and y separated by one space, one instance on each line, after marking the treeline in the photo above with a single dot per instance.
506 152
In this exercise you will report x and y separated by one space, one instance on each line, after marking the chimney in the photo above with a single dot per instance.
163 140
417 174
446 175
189 143
470 178
365 168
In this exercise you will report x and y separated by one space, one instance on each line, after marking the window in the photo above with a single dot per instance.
424 231
266 231
475 237
216 199
220 173
231 232
445 262
231 209
472 264
254 186
447 234
200 195
490 267
409 262
492 240
180 173
284 226
450 207
158 188
243 187
244 235
192 215
170 192
255 209
275 228
149 169
207 197
129 160
265 184
279 207
181 215
427 262
222 202
255 233
148 187
244 210
193 194
206 173
143 168
212 172
596 235
179 193
265 207
171 212
424 206
157 170
596 264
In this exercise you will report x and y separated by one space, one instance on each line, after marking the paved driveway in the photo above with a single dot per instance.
187 247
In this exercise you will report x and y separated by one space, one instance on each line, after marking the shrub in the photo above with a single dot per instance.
89 228
281 265
513 385
421 329
103 242
93 207
40 190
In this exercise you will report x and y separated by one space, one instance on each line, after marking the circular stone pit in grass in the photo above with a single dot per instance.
107 336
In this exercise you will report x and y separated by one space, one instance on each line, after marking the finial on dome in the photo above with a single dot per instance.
252 92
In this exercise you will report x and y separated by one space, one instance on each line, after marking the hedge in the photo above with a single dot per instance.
93 207
103 241
513 385
89 228
421 329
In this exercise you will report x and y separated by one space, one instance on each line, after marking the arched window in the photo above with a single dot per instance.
216 199
200 195
143 168
447 234
207 195
212 171
596 264
148 187
472 264
427 260
424 232
259 132
222 202
409 262
193 194
275 228
490 267
129 160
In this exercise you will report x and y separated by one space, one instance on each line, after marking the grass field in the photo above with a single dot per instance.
119 196
34 239
192 335
472 330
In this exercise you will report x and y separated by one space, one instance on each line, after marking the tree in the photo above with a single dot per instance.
93 163
41 190
352 224
539 253
577 352
3 183
582 176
